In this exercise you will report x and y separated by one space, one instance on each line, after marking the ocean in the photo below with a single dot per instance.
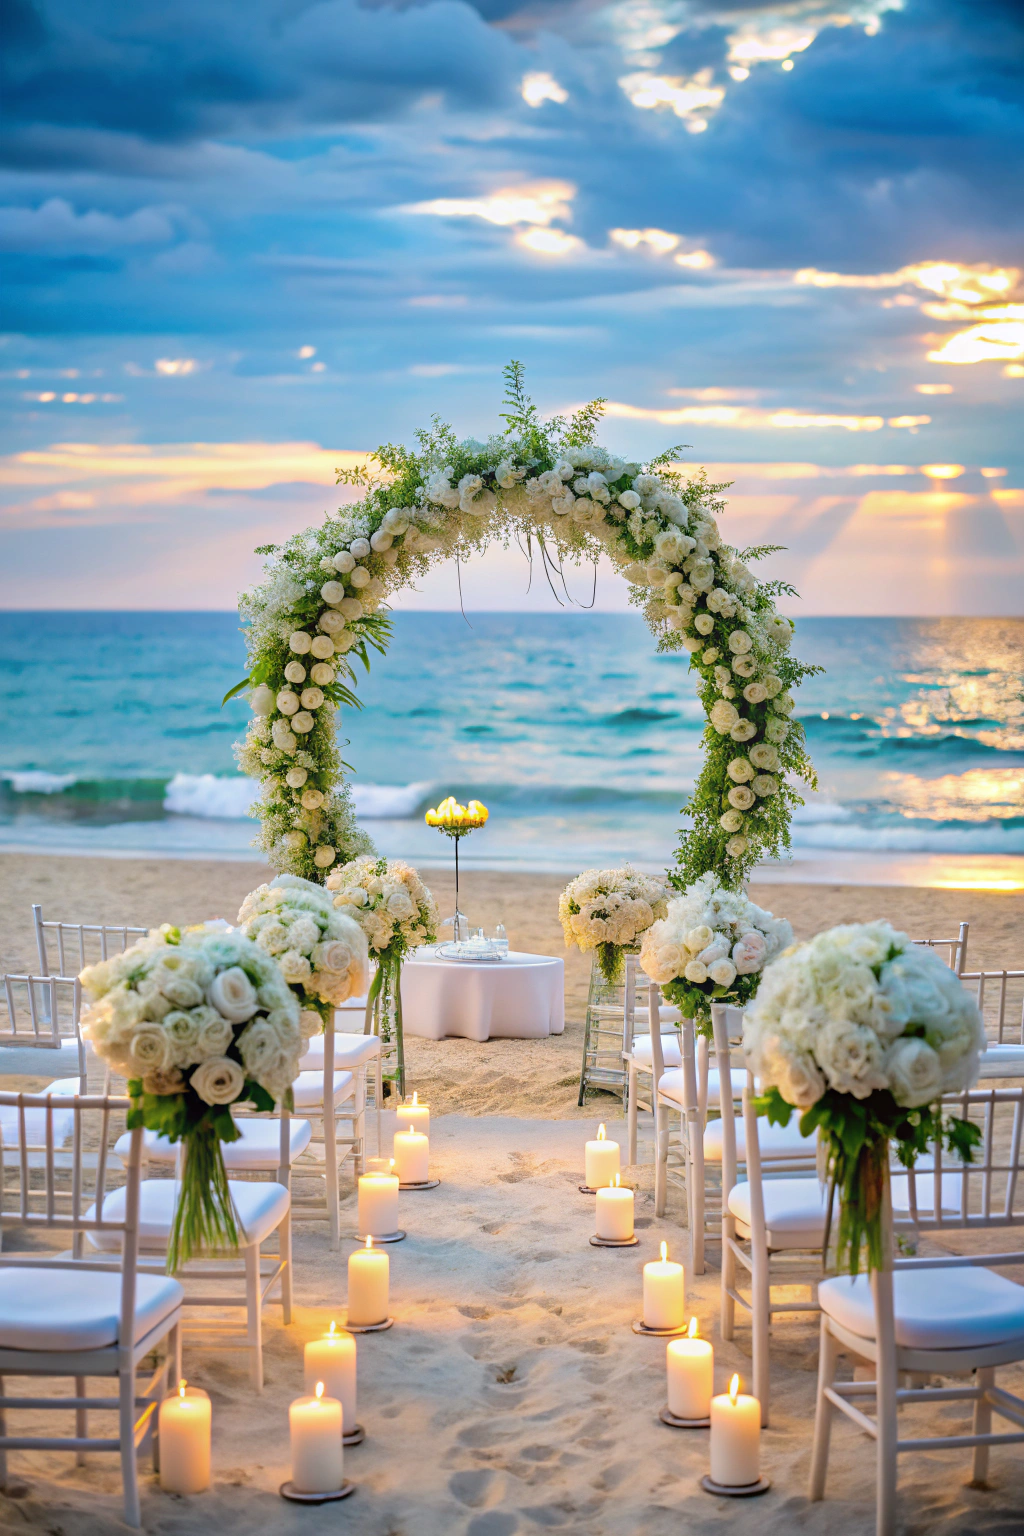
582 741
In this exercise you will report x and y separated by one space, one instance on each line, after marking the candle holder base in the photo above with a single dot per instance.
355 1436
639 1326
736 1490
291 1493
614 1242
675 1422
585 1189
427 1184
382 1237
388 1322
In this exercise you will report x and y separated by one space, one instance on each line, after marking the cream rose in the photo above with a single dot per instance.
150 1049
740 770
741 798
219 1080
696 972
233 995
724 716
740 642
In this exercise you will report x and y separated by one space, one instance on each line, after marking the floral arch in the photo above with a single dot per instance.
322 608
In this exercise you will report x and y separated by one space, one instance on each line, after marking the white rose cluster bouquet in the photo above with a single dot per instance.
608 910
711 946
320 951
196 1022
397 913
864 1032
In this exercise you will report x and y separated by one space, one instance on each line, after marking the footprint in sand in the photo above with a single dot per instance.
478 1490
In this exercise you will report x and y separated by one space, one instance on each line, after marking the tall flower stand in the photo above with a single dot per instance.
609 1024
384 1018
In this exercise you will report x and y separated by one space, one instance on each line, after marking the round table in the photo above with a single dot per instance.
519 998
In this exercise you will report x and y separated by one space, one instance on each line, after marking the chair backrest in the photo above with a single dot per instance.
955 954
41 1012
56 1189
1000 996
949 1195
67 948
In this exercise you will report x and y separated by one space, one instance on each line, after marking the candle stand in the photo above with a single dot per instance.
735 1490
639 1326
355 1436
427 1184
382 1237
614 1242
291 1493
388 1322
675 1422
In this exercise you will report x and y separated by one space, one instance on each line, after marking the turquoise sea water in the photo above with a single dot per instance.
581 739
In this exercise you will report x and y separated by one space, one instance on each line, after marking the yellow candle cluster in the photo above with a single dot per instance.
451 817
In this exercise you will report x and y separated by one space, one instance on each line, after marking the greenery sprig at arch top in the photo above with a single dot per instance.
322 610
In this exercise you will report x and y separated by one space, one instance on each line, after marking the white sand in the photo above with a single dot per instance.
512 1397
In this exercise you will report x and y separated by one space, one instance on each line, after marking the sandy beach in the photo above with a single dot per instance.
505 1077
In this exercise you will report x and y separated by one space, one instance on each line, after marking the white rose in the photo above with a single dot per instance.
296 777
287 701
699 938
718 949
791 1071
741 798
262 700
739 642
381 540
755 693
332 591
692 643
749 953
360 577
332 622
731 821
784 704
764 784
696 972
764 756
332 955
724 716
740 771
322 673
324 856
360 548
295 968
322 647
344 562
722 973
702 575
345 642
744 666
850 1056
914 1072
295 672
704 623
736 847
214 1036
233 995
311 698
629 499
295 838
743 730
218 1080
312 800
299 642
273 938
150 1048
302 722
352 608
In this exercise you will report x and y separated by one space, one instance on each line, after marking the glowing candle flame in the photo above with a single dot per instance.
319 1390
734 1387
664 1252
391 1162
369 1242
415 1096
181 1387
332 1330
692 1332
616 1185
600 1133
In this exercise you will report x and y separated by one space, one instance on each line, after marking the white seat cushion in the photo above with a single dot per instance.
349 1051
935 1308
35 1119
1000 1060
773 1140
669 1049
257 1150
260 1208
951 1194
308 1088
667 1013
71 1309
795 1211
37 1060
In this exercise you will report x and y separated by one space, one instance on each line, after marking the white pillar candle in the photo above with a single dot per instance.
735 1438
601 1161
615 1212
369 1275
691 1375
664 1292
184 1432
412 1158
317 1454
378 1204
332 1360
414 1116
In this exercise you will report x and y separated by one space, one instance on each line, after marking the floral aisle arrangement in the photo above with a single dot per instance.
711 946
196 1022
864 1032
320 951
397 914
551 486
607 911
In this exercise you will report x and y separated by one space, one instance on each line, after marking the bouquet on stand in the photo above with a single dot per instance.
196 1022
320 951
607 911
397 913
711 947
864 1032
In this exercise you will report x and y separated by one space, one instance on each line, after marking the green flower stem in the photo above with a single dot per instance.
204 1219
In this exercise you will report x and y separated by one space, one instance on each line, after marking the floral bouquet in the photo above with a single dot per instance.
397 913
711 946
196 1023
865 1031
320 951
607 910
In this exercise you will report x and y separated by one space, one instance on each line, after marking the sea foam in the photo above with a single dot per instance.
228 799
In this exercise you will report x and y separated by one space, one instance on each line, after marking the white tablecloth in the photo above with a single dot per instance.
521 997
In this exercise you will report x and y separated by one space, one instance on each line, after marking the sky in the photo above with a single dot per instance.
243 244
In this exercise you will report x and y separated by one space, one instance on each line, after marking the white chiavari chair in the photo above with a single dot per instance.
65 949
263 1212
953 951
1000 997
359 1054
637 1049
947 1315
62 1316
774 1227
39 1030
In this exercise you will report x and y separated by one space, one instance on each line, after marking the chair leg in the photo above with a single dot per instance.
886 1412
81 1420
378 1094
359 1122
660 1156
253 1315
728 1306
828 1355
760 1326
3 1431
631 1113
982 1425
331 1176
129 1468
284 1243
696 1195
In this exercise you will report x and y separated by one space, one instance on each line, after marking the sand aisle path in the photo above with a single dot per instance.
512 1397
